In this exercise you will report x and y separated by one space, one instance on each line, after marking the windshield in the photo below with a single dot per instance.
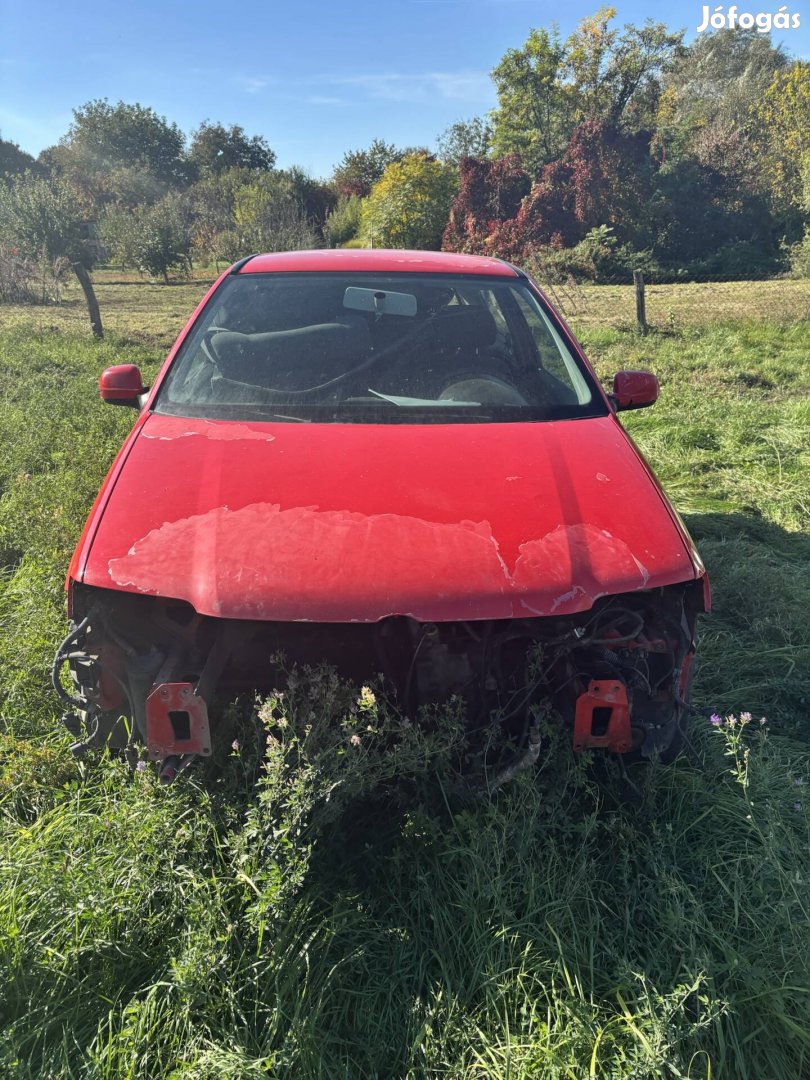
377 348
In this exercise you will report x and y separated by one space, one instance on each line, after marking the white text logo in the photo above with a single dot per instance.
764 21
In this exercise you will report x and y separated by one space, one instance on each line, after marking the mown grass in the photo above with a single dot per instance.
580 923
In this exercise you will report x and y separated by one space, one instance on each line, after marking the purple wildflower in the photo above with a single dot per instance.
715 719
235 744
141 766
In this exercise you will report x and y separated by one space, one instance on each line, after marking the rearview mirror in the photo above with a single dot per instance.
122 385
634 390
381 302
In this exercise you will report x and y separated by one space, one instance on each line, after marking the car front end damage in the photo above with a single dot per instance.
151 671
397 463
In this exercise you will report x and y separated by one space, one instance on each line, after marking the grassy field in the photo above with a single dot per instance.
351 911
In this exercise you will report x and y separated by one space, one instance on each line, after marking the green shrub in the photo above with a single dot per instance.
799 257
343 223
599 258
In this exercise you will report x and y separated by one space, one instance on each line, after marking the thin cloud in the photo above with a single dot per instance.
252 85
469 86
323 99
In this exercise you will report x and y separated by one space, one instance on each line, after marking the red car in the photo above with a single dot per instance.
398 462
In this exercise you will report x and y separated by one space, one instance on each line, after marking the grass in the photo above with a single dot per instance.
243 924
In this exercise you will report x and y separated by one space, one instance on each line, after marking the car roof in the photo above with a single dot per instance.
376 259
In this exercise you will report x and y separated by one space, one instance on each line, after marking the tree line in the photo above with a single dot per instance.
611 149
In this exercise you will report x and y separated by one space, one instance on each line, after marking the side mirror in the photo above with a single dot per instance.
122 385
634 390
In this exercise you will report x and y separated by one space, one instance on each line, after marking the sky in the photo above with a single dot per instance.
315 78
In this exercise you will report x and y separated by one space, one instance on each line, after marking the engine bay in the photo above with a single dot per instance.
152 671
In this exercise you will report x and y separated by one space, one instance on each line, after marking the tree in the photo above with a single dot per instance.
46 215
161 238
408 206
106 143
268 217
533 114
359 170
117 228
616 76
215 148
343 223
153 239
315 198
720 76
709 99
704 221
784 134
14 161
600 74
211 202
465 138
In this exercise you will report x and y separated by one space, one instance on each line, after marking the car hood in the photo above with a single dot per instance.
342 523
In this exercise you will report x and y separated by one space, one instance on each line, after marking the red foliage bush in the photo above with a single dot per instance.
489 193
604 177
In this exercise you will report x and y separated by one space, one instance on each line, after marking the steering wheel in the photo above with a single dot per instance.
484 389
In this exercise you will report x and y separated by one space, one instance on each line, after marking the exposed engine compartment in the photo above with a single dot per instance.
148 669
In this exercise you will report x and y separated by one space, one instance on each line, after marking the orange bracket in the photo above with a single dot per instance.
176 721
602 718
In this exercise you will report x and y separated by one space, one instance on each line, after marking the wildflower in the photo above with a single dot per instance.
355 740
798 781
715 719
367 700
745 718
762 721
235 744
732 721
140 767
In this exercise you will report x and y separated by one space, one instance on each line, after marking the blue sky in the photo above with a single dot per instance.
316 78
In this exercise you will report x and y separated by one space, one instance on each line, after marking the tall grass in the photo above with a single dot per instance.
355 909
560 929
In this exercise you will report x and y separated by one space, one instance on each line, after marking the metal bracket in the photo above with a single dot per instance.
612 722
176 721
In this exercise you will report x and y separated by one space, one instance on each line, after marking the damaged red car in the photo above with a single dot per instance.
396 462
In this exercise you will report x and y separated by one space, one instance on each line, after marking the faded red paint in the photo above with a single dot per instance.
331 522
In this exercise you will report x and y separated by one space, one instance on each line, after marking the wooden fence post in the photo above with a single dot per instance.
641 308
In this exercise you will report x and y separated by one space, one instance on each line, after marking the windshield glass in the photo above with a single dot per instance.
377 348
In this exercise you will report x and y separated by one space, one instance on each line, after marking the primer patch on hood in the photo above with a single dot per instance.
262 562
181 427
